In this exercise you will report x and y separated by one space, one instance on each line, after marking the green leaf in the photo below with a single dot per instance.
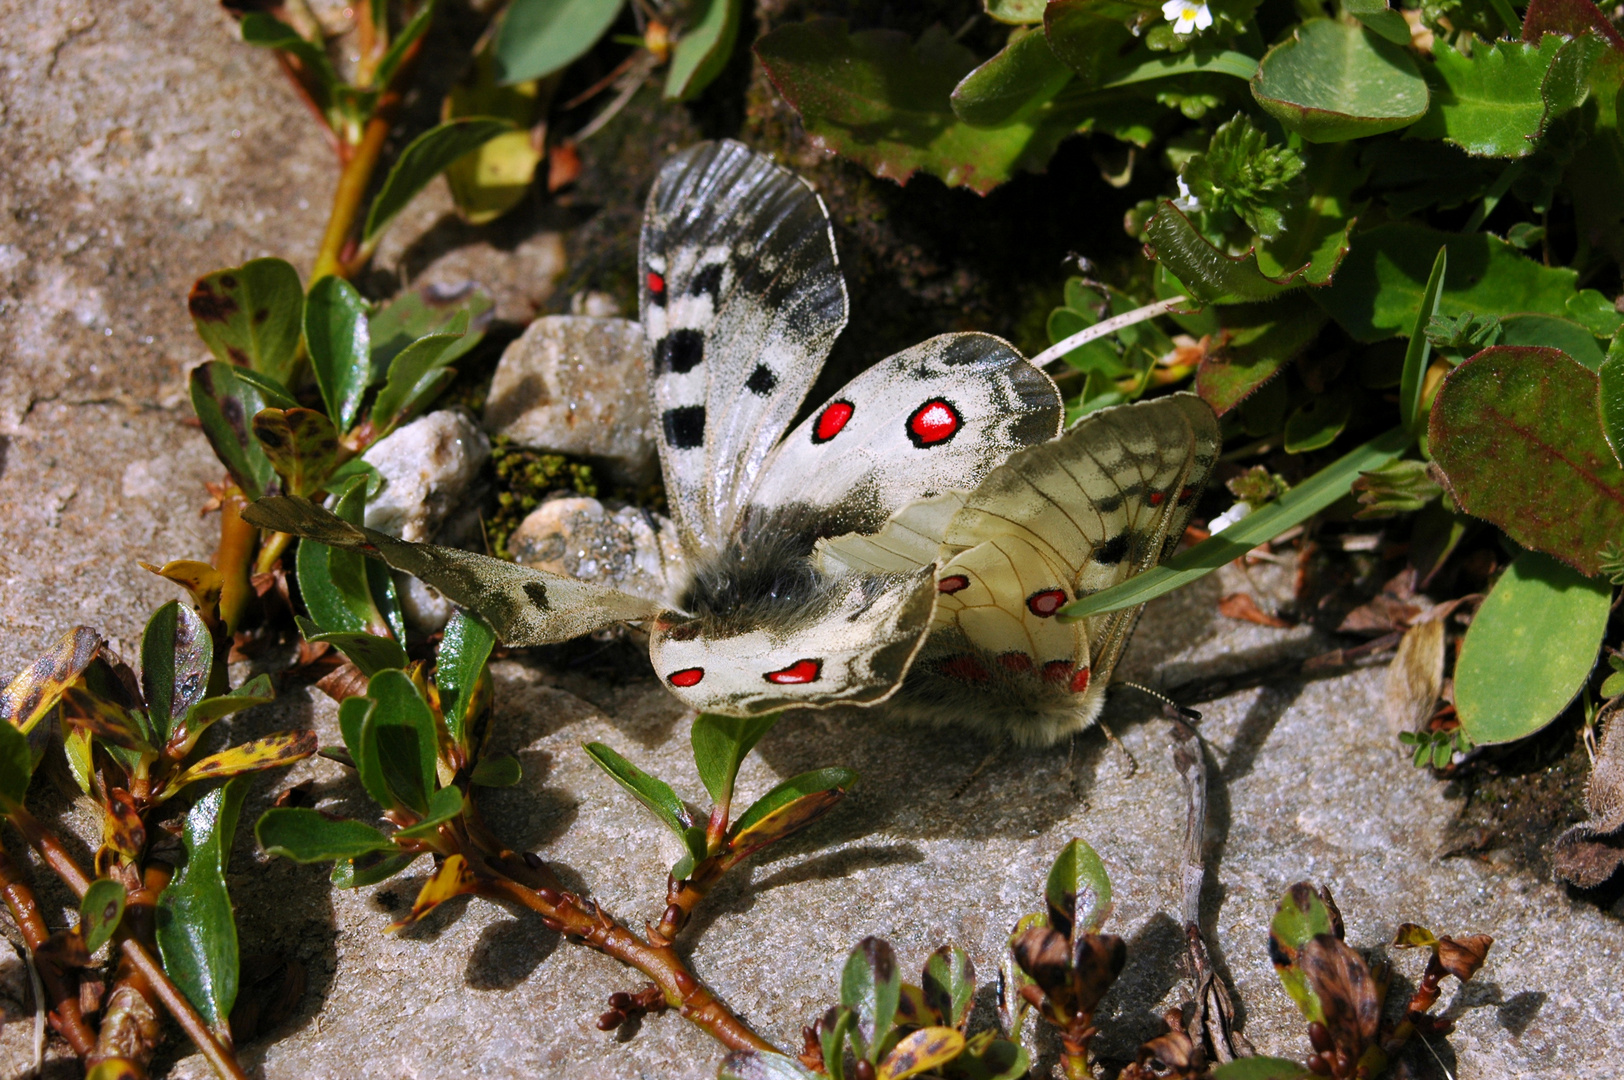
408 36
1263 338
949 984
885 102
263 29
921 1051
696 839
651 792
500 771
416 375
100 910
870 987
1488 103
792 805
1078 890
1016 11
1383 280
702 51
421 312
1593 311
1023 76
1300 918
1529 649
444 805
401 728
1300 503
249 315
1241 172
1317 422
460 665
1610 398
1514 432
1091 36
307 836
1330 82
177 658
16 765
424 158
1419 350
353 713
256 691
1210 274
1139 67
1261 1068
538 37
493 179
1380 20
370 653
721 743
333 582
337 337
197 932
763 1065
225 398
301 445
347 875
1551 332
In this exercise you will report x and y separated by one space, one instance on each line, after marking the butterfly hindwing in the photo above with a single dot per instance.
852 646
741 299
933 418
525 606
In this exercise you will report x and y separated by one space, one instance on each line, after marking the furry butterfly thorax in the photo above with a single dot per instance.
909 542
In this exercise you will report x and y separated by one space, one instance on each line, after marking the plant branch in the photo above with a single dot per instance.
570 915
63 1010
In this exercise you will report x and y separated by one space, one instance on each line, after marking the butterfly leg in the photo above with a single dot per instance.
994 754
1111 736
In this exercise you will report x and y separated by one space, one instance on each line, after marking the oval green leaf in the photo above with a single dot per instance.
1024 74
459 666
1514 431
443 806
306 836
949 984
1529 649
500 771
249 315
424 158
225 399
400 730
337 338
537 37
702 51
1610 403
1331 82
197 932
177 658
100 909
652 792
870 987
721 744
1078 889
16 764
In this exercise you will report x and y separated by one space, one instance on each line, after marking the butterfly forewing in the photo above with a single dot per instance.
525 606
933 418
741 300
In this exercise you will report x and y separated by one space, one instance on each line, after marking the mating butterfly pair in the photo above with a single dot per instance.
911 541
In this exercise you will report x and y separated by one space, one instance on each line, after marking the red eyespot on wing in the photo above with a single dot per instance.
933 423
1046 603
965 667
953 584
1186 495
1057 671
656 283
831 420
1079 681
686 677
1015 661
802 671
1157 498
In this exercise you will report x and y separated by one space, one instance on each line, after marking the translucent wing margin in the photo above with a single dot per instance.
741 299
524 606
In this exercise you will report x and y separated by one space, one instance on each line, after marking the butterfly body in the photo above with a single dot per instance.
910 541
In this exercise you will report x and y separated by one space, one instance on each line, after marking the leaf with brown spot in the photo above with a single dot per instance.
1348 995
1045 956
1097 960
225 398
177 666
64 949
250 315
200 579
790 807
100 703
122 828
921 1051
302 446
35 692
270 752
1413 936
1515 433
453 878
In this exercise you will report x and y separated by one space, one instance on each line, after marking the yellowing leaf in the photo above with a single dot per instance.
35 692
283 748
921 1051
453 878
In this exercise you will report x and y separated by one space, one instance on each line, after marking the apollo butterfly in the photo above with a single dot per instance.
912 541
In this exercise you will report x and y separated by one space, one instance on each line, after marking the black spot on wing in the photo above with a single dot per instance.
1113 550
685 427
679 352
707 282
762 381
536 593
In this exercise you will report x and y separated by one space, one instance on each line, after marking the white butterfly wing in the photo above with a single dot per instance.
741 299
525 606
854 649
937 417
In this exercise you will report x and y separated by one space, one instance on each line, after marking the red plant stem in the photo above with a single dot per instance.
63 1013
681 897
56 857
582 919
130 1029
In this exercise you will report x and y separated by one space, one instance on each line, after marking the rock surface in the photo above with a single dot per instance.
628 548
574 384
145 147
429 468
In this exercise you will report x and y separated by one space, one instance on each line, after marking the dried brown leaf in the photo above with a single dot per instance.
1346 990
1415 678
1242 606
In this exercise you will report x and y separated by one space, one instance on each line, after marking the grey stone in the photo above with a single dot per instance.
628 548
574 384
428 467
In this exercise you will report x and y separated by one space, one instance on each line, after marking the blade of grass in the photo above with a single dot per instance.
1420 348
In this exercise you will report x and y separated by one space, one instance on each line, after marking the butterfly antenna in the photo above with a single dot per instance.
1188 714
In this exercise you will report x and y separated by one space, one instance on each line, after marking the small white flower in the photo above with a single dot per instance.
1229 517
1186 201
1186 16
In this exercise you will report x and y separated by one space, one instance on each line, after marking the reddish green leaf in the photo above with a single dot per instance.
1514 431
885 102
792 805
249 315
1262 339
